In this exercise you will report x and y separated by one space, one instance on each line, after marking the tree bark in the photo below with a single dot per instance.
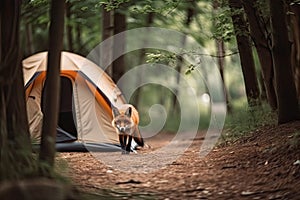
261 41
14 130
286 90
137 97
245 50
29 39
52 83
118 66
78 38
220 46
69 27
107 31
295 26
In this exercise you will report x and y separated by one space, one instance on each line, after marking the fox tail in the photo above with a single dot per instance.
139 141
138 138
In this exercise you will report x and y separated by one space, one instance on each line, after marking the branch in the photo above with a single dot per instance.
214 56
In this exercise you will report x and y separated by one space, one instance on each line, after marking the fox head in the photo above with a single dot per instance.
122 121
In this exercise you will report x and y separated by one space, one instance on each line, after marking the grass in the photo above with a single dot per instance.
295 140
244 119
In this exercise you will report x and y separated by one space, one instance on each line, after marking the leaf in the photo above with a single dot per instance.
297 162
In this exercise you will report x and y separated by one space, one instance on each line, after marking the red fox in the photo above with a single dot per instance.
125 121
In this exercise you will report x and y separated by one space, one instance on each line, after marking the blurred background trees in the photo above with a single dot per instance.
241 31
237 34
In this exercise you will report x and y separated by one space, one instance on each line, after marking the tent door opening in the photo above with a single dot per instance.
66 130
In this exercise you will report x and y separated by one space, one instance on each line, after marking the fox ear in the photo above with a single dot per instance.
128 112
115 111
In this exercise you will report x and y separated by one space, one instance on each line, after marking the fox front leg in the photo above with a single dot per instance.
122 143
128 145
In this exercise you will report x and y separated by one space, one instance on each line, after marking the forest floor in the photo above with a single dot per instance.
263 164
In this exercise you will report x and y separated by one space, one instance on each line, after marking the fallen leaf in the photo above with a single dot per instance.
297 162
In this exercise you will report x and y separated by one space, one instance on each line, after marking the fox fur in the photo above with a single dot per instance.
125 121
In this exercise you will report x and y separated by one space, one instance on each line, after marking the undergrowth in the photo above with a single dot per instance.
295 141
22 162
245 119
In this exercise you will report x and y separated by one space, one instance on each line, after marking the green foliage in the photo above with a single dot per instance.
263 11
149 6
36 12
223 28
17 162
85 18
112 4
162 57
20 162
244 119
170 59
190 69
141 7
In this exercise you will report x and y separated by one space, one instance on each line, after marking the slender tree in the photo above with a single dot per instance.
118 66
245 50
14 131
295 26
52 83
220 46
78 38
107 31
285 86
69 27
29 39
260 36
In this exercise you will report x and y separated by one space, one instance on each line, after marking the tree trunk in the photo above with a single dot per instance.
78 38
137 97
69 27
221 63
220 46
107 31
245 50
52 83
15 156
189 16
263 92
295 25
260 38
286 90
29 39
119 46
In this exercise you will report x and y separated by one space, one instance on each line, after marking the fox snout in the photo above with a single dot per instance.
122 129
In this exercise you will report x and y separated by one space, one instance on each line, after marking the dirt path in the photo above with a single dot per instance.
263 165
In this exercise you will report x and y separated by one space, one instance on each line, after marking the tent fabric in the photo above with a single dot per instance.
35 117
89 107
74 62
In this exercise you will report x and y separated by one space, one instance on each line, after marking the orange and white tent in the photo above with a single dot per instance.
87 93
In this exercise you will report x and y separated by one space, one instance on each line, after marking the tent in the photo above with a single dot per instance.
87 93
